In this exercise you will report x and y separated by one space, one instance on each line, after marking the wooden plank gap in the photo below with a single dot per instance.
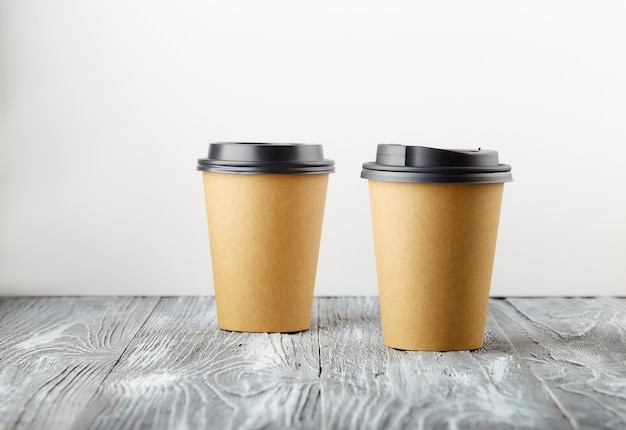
319 343
124 351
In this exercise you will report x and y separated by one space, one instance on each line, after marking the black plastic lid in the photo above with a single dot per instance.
400 163
284 158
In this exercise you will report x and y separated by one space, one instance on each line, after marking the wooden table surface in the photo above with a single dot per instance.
162 363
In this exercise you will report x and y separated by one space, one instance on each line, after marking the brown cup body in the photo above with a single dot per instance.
435 246
264 232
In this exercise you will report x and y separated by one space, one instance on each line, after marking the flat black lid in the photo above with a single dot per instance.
284 158
400 163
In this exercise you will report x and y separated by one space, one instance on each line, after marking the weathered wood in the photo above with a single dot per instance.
55 353
118 363
367 385
182 372
577 348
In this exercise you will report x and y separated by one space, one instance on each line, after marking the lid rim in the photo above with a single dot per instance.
434 178
436 169
266 167
236 163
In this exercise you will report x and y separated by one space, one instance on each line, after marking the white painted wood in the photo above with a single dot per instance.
182 372
122 363
55 353
367 385
577 348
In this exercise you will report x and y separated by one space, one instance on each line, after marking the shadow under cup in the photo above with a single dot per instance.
265 207
435 217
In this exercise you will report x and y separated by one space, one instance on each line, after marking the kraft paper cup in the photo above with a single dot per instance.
265 206
435 217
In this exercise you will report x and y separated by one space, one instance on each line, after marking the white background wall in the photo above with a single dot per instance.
106 105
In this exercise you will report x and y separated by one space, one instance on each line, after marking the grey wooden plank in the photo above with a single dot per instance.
366 385
55 352
577 348
182 372
554 363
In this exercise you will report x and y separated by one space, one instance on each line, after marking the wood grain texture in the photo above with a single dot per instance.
367 385
55 353
182 372
577 349
150 363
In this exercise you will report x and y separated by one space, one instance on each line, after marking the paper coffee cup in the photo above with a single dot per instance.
435 217
265 205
